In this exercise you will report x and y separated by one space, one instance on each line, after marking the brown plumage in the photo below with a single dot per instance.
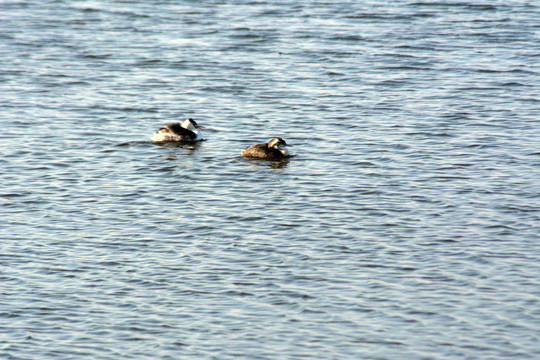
178 132
177 129
275 149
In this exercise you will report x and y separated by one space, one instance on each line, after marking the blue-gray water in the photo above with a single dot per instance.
406 226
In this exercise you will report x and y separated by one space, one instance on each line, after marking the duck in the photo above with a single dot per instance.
274 149
188 130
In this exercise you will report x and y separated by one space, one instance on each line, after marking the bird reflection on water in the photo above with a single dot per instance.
188 146
273 164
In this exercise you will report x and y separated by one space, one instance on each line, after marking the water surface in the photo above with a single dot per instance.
405 226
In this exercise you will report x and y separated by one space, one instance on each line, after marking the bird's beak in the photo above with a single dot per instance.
200 127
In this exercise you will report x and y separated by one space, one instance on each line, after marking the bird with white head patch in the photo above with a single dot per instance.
188 130
274 149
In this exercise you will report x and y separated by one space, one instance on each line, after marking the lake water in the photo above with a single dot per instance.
406 226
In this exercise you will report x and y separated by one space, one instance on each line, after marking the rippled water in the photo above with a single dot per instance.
406 226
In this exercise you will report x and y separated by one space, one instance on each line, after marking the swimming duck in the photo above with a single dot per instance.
275 149
188 130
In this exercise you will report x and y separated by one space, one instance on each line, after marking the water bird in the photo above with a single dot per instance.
275 149
188 130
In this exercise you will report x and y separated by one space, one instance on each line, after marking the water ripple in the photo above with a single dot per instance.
404 226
